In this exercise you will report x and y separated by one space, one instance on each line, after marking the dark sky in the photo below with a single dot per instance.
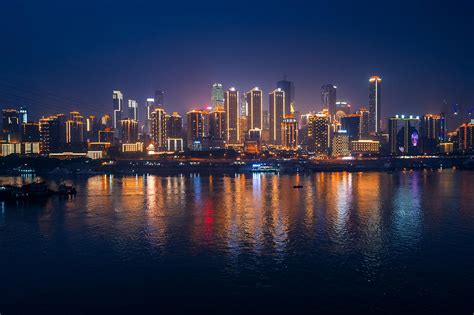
63 55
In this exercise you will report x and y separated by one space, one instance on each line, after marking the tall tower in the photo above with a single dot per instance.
133 110
232 111
217 98
289 88
375 93
277 113
255 102
217 124
160 98
117 99
158 129
328 98
150 108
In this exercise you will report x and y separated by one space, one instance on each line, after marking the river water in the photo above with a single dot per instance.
345 242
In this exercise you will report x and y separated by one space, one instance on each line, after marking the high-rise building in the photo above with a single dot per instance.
30 132
217 97
289 132
328 98
342 109
23 115
404 135
174 126
133 110
150 108
351 124
466 137
289 88
92 128
255 107
158 129
375 101
117 99
75 133
243 106
50 134
195 126
340 143
11 125
277 112
129 129
232 111
319 127
160 98
364 133
431 132
217 123
105 121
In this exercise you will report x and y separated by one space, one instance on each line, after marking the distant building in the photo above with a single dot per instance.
328 98
217 97
364 132
375 101
466 137
150 108
289 132
289 88
196 126
129 129
340 144
232 111
158 129
277 112
11 125
117 99
175 144
365 147
319 134
23 115
50 134
30 132
133 110
432 132
132 147
217 123
174 126
404 135
160 98
106 135
351 123
255 107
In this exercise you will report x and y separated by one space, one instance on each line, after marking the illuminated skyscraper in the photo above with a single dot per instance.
289 88
174 126
129 130
133 110
340 144
277 112
50 134
319 126
75 133
466 137
30 132
150 108
432 132
217 97
23 115
217 123
118 108
404 135
232 111
195 126
328 98
351 124
255 104
289 132
11 125
375 101
158 129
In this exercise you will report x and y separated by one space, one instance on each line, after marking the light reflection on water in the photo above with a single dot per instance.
342 233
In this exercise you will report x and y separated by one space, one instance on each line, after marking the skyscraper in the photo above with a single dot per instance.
158 129
195 126
217 123
11 125
328 98
289 132
133 110
217 97
351 124
289 88
150 108
404 135
277 113
23 115
364 124
160 98
232 111
431 132
174 126
255 104
50 134
375 100
118 108
319 126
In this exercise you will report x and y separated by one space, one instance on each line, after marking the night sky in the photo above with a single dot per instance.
57 56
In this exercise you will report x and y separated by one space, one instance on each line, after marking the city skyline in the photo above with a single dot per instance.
420 65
